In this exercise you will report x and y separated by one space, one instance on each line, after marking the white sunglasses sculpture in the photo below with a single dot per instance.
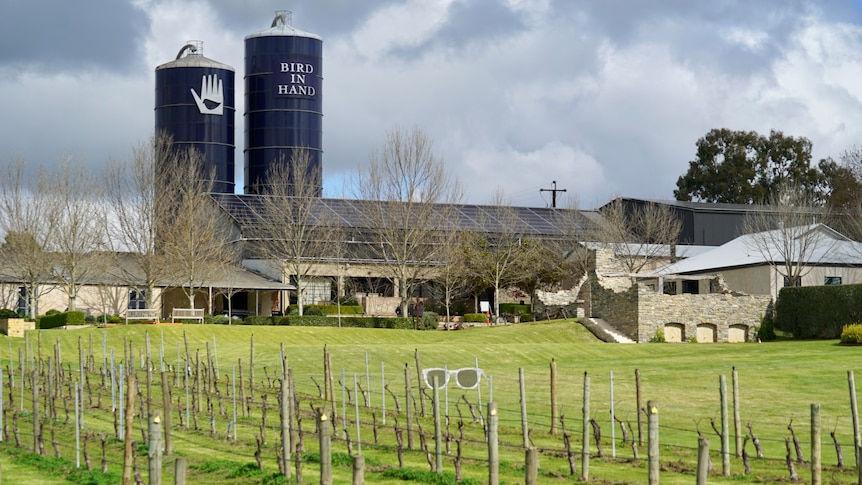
465 378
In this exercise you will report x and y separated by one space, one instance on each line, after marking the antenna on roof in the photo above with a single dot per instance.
553 192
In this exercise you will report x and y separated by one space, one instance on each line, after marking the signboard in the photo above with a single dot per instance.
297 79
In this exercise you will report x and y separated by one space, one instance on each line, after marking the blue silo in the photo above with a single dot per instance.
195 105
283 100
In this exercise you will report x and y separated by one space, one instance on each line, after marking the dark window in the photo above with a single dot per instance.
798 281
691 287
669 288
137 299
832 280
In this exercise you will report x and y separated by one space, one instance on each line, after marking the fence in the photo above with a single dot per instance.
405 418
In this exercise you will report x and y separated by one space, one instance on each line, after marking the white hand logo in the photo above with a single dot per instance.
211 99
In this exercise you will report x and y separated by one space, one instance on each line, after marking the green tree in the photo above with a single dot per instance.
744 167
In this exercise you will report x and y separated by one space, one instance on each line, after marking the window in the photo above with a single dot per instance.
798 281
691 287
137 299
832 280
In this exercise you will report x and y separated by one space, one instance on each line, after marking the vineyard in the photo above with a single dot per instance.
218 394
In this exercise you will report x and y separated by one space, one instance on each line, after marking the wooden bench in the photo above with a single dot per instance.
187 314
147 314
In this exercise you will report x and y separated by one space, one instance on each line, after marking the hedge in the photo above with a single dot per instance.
321 321
345 309
60 319
514 308
475 318
818 312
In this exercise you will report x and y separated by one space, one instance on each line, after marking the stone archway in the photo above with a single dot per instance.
706 333
674 332
737 333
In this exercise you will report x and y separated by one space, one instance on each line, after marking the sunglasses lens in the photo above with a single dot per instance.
440 374
467 378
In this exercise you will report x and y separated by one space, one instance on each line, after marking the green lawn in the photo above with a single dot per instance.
778 382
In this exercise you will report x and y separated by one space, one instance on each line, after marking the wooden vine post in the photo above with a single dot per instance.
585 457
816 468
285 418
323 425
554 397
652 442
639 401
128 479
725 432
493 446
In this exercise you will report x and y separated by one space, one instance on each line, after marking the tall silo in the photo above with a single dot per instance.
195 105
283 100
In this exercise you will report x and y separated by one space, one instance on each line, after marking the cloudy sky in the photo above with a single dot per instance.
605 97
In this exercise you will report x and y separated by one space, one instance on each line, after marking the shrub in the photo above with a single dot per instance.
475 318
766 331
220 320
258 320
312 310
428 321
348 301
852 334
345 309
527 317
115 319
58 319
658 337
7 313
514 308
401 323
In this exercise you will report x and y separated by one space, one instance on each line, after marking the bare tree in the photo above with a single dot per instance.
452 276
543 266
74 211
495 256
135 192
27 231
194 241
295 227
406 192
569 243
638 236
785 234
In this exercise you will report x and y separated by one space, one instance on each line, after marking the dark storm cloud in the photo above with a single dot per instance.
468 22
71 36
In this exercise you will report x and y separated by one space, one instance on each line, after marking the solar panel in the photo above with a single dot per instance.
247 211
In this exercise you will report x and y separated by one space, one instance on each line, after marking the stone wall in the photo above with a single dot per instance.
618 308
380 305
15 327
722 310
639 313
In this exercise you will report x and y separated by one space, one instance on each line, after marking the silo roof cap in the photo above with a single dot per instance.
193 58
281 26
